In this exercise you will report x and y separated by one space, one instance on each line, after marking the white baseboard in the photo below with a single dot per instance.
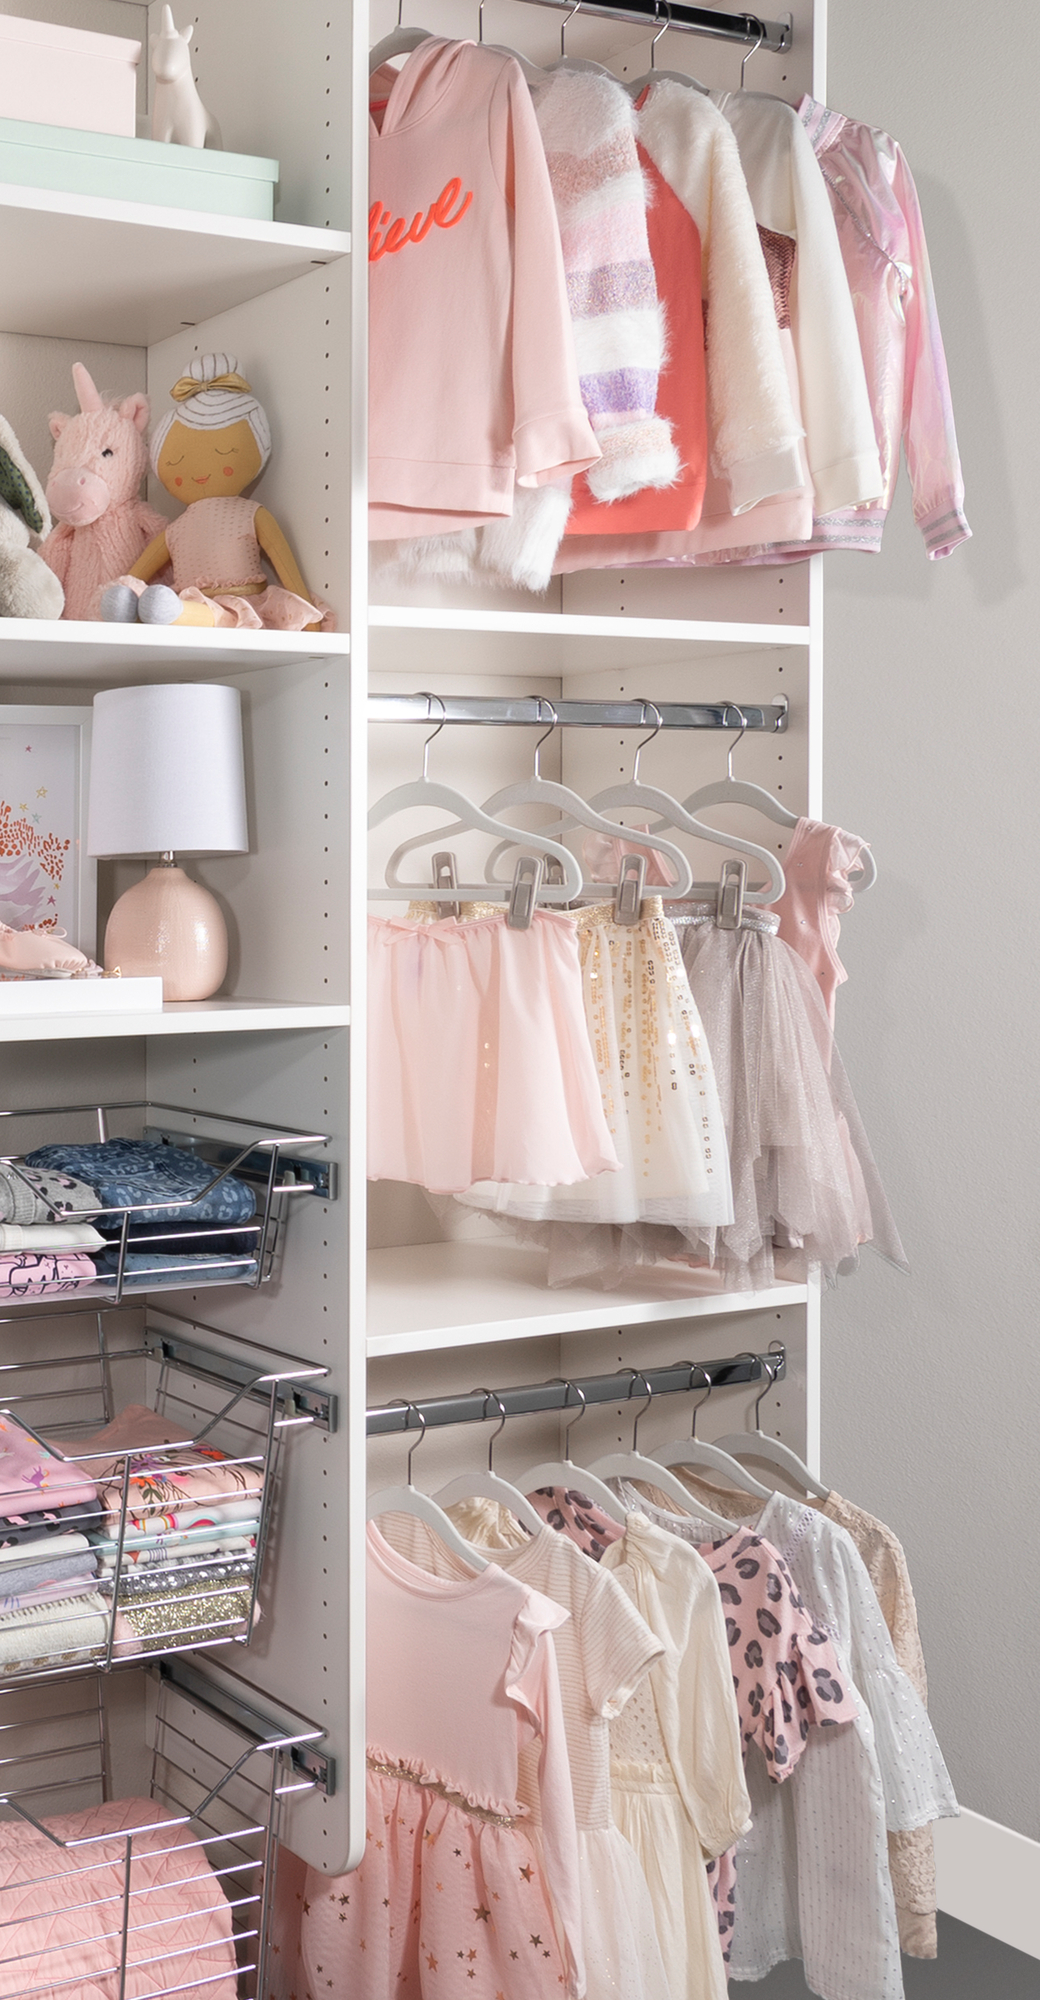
989 1877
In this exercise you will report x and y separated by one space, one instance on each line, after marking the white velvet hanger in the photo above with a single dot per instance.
537 790
634 1465
650 799
489 1485
409 1500
692 1451
424 791
638 84
564 1472
757 1445
399 42
737 792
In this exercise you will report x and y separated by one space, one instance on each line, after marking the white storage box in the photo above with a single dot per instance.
65 76
79 996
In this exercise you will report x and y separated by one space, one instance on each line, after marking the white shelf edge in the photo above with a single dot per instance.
573 625
92 636
554 1315
185 1017
335 243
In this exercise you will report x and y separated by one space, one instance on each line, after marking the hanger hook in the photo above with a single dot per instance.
770 1374
430 699
491 1396
660 31
401 1403
697 1367
567 1429
655 731
746 58
637 1375
726 706
480 24
564 25
543 701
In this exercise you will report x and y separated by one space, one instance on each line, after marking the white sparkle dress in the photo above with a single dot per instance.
660 1101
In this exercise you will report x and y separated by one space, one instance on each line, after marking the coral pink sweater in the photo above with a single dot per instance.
474 383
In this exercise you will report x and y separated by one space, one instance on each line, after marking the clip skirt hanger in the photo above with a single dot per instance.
670 813
425 791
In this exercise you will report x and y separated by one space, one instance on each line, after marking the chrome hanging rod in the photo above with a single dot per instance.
534 1398
774 36
525 710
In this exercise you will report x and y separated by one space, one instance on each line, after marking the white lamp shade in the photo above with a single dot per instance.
166 771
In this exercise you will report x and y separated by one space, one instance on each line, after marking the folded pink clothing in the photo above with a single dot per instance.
26 1274
64 1906
30 1473
167 1477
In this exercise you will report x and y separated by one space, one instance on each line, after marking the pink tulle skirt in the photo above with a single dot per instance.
480 1065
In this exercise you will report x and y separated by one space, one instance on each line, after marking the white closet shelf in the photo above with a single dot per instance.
179 1017
434 1295
546 642
53 650
77 268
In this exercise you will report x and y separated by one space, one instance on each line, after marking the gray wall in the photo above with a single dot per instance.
932 1384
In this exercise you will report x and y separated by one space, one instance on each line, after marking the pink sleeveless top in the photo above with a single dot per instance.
817 866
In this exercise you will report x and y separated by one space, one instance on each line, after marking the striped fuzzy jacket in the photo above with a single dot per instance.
588 128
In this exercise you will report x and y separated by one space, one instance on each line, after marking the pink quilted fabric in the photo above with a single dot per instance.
56 1935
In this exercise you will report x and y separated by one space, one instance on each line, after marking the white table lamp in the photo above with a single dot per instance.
166 777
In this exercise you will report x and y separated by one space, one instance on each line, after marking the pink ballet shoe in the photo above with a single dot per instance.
39 951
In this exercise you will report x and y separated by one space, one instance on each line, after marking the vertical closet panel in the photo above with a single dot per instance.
281 87
303 1647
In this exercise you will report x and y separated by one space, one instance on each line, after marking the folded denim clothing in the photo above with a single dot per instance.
146 1270
183 1239
50 1236
30 1472
30 1194
66 1632
128 1173
29 1274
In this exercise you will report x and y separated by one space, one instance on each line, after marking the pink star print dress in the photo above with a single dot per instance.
452 1897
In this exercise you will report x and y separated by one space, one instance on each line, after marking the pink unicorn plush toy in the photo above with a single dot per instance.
100 459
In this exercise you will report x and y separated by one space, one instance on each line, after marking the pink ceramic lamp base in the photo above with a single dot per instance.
172 926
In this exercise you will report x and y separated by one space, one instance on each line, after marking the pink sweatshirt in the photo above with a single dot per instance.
473 378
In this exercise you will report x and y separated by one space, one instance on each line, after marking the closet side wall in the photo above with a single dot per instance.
931 1385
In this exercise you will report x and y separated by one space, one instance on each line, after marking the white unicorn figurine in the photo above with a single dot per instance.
179 117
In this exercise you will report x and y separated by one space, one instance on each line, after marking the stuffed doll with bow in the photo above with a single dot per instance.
207 452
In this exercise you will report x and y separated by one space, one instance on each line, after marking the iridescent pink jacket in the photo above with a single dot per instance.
882 243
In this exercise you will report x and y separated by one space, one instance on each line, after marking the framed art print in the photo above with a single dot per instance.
47 879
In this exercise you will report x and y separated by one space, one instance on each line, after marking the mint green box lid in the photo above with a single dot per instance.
102 164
